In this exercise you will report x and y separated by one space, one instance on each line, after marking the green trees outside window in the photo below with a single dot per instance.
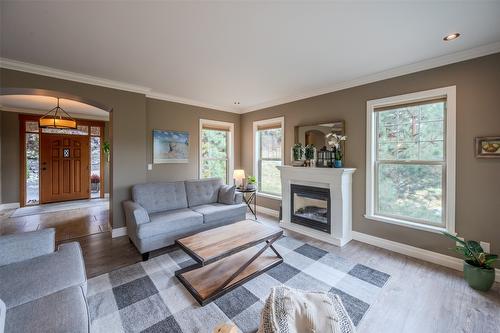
411 162
214 154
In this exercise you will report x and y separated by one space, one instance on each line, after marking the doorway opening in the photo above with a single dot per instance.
61 164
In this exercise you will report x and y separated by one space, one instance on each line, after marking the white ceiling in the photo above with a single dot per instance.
257 53
42 104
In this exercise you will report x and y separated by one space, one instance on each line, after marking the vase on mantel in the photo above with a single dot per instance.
338 163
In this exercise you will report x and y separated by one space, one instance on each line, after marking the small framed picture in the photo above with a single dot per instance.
488 147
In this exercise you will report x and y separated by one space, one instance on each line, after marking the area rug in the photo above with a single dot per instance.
147 297
58 207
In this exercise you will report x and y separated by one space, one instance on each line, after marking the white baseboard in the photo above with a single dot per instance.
414 252
119 232
268 211
11 205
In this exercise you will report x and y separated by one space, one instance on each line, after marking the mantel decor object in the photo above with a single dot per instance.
310 155
334 141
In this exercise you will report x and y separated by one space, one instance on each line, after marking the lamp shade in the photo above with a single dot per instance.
239 175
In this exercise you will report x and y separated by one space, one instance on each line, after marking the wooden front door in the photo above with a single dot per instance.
64 168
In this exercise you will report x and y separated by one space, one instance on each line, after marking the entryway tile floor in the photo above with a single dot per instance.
69 223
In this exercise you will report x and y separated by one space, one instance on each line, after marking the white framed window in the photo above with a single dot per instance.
268 143
216 149
410 162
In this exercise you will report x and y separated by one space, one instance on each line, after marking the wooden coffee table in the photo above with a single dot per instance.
227 257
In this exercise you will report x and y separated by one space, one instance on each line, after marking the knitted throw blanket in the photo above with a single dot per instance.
295 311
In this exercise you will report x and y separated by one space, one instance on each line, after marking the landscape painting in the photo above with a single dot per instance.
170 147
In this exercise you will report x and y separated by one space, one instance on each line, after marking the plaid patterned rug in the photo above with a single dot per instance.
147 297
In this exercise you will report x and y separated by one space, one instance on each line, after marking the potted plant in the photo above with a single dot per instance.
478 265
310 155
95 182
297 152
106 148
251 182
334 141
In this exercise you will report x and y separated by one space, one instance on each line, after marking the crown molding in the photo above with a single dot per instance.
71 76
391 73
149 93
98 81
181 100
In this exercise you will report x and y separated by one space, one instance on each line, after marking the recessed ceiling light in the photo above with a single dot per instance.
451 37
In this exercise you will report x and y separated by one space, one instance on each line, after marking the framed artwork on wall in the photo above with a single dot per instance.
488 147
170 147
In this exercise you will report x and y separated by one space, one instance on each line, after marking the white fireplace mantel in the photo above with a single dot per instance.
339 181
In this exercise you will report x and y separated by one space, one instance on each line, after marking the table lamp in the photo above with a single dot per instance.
239 177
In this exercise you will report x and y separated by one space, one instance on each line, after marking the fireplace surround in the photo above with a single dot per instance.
337 182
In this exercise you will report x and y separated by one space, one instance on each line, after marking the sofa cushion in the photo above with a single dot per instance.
162 196
226 194
64 311
31 279
204 191
216 212
165 222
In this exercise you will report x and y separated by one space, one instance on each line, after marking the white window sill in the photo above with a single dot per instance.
408 224
269 196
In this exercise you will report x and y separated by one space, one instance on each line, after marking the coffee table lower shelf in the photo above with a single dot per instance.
205 282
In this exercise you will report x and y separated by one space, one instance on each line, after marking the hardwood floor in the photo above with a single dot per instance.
419 297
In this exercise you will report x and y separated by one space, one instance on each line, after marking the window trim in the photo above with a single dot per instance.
255 164
230 145
449 174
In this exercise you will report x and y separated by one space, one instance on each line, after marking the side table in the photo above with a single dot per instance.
250 199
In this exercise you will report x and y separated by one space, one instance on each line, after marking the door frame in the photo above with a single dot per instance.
23 118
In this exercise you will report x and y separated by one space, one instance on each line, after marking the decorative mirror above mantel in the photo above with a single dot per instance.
319 145
315 133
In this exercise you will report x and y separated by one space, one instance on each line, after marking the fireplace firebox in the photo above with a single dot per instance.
310 207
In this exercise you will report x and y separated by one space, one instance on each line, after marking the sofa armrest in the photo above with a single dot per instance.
3 311
238 197
135 214
26 245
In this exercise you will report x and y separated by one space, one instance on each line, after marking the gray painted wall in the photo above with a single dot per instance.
134 116
181 117
478 114
10 157
127 132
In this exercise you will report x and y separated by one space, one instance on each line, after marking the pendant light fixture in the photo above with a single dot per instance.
57 118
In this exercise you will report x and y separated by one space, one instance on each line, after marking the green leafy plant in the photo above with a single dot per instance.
106 148
309 152
251 180
473 253
298 151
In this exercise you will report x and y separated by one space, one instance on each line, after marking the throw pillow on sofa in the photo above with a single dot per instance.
226 194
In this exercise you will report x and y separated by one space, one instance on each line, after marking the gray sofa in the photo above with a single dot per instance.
42 290
160 213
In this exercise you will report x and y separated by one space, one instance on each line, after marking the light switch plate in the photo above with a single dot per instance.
150 166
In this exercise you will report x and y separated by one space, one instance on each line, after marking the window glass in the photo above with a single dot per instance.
269 157
214 154
410 162
32 126
95 130
95 165
32 168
